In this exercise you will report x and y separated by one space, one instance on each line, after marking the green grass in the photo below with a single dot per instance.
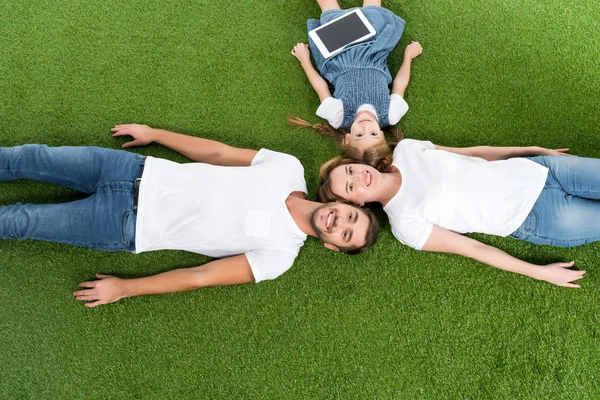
392 323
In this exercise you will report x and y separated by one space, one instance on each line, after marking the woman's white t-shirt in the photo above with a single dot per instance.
459 193
223 211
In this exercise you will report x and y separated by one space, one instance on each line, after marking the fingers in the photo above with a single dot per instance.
100 276
88 284
572 285
131 143
298 48
94 304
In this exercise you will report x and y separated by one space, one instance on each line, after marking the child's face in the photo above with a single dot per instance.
364 132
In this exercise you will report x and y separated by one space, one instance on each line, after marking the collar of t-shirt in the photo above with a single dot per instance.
369 108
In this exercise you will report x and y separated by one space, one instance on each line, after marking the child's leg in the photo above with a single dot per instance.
371 3
328 5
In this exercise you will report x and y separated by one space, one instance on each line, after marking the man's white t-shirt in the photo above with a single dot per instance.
460 193
332 110
223 211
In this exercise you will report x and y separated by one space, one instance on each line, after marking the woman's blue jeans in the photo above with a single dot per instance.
104 220
567 213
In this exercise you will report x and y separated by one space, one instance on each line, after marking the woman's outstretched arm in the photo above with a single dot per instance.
443 240
492 153
301 52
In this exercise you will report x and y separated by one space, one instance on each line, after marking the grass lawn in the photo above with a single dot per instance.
391 323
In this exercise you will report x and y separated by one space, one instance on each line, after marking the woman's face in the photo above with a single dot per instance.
356 183
364 132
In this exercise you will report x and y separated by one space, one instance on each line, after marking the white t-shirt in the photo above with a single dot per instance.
332 110
223 211
460 193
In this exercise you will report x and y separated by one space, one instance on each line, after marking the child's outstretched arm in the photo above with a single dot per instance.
301 52
403 77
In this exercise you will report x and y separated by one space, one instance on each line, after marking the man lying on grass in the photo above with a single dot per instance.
249 206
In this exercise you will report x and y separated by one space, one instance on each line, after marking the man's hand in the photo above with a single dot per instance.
142 134
560 274
107 289
413 50
301 52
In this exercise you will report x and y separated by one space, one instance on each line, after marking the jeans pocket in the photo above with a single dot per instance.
128 228
528 228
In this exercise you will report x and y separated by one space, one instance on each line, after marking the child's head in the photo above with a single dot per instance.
365 142
364 132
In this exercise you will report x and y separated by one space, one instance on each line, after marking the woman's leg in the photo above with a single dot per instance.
371 3
577 176
567 212
80 168
328 5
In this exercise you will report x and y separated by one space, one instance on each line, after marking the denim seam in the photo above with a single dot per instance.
47 175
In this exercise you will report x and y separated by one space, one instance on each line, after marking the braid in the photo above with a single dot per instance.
322 129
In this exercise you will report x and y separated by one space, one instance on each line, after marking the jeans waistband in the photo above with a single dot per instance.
136 190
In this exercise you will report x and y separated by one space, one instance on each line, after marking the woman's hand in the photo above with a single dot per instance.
142 134
107 289
301 52
540 151
413 50
560 274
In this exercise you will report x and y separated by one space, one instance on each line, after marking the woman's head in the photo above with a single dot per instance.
349 180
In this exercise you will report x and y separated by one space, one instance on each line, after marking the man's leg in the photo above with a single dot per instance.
105 220
80 168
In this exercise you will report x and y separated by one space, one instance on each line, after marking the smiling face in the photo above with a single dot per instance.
364 132
356 183
340 225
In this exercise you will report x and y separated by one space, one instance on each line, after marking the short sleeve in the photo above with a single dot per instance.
294 170
269 156
413 232
398 107
332 110
269 264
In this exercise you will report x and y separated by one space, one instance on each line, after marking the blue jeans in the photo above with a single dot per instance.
567 213
104 220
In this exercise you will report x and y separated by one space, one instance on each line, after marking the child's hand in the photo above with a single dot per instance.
413 50
301 52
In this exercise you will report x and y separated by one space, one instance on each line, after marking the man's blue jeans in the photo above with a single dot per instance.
567 213
104 220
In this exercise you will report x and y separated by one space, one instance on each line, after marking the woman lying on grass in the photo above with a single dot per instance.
361 104
432 194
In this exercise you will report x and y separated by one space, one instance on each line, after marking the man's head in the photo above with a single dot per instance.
345 228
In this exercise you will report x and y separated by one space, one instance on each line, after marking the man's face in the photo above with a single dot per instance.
340 225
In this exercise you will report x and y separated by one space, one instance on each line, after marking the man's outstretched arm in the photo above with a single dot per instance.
194 148
108 289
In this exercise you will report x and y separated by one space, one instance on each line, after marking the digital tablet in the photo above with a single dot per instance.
332 37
